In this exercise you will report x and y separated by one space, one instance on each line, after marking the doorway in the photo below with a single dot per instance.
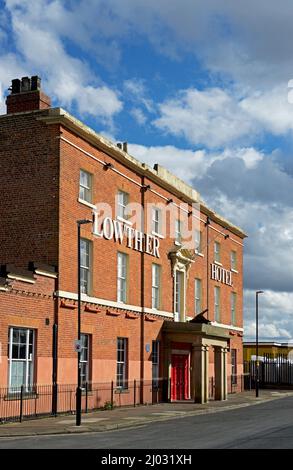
179 377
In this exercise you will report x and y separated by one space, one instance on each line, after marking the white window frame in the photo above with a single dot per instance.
198 242
217 252
197 296
178 232
156 286
85 362
86 268
122 203
121 379
122 277
234 366
233 300
87 189
28 360
179 295
234 260
156 221
155 362
217 304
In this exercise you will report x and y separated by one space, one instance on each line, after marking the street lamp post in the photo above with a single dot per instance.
78 389
256 343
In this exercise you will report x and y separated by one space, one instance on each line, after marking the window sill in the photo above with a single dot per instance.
16 396
155 234
199 254
121 390
177 243
218 263
125 221
234 271
85 203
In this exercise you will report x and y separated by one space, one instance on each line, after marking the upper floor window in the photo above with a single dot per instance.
217 306
198 241
179 296
233 307
156 286
122 267
234 260
85 266
217 252
122 203
178 231
198 296
21 359
156 220
85 186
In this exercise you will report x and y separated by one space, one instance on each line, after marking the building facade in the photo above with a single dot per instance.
161 273
267 350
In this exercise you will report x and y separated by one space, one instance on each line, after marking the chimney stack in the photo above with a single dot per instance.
26 95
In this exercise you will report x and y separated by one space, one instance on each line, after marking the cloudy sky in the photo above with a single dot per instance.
200 86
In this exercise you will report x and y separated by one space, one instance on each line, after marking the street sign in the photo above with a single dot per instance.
77 345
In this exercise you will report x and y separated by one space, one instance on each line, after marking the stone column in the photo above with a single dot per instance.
220 373
200 373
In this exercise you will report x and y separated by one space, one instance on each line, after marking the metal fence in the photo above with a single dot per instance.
272 372
20 403
17 404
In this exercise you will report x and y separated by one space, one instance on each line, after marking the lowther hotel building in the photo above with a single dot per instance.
161 273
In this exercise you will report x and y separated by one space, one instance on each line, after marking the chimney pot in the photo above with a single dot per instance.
26 95
125 147
15 86
35 83
25 84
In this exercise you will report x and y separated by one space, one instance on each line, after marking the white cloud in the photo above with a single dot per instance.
139 116
211 117
136 91
215 117
67 78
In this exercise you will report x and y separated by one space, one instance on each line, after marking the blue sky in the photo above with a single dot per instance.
200 86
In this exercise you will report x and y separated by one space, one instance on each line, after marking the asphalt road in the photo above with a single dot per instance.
265 426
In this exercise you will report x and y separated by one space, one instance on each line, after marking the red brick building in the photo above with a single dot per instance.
161 273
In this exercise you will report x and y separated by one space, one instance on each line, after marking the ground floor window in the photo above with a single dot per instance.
234 366
21 359
122 363
155 363
85 359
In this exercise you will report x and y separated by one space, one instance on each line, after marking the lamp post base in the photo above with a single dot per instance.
78 406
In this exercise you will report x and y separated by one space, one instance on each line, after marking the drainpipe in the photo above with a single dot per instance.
55 353
208 271
142 299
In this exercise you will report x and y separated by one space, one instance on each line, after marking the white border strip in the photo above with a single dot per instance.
113 304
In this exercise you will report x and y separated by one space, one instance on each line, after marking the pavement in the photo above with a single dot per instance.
126 417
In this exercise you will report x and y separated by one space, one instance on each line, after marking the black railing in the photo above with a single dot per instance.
19 403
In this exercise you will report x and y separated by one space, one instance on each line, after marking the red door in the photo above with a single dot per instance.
179 377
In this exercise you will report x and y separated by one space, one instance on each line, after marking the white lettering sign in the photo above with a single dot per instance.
139 241
221 275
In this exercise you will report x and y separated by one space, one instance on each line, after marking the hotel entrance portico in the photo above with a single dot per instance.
194 353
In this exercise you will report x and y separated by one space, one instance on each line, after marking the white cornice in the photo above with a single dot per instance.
112 304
